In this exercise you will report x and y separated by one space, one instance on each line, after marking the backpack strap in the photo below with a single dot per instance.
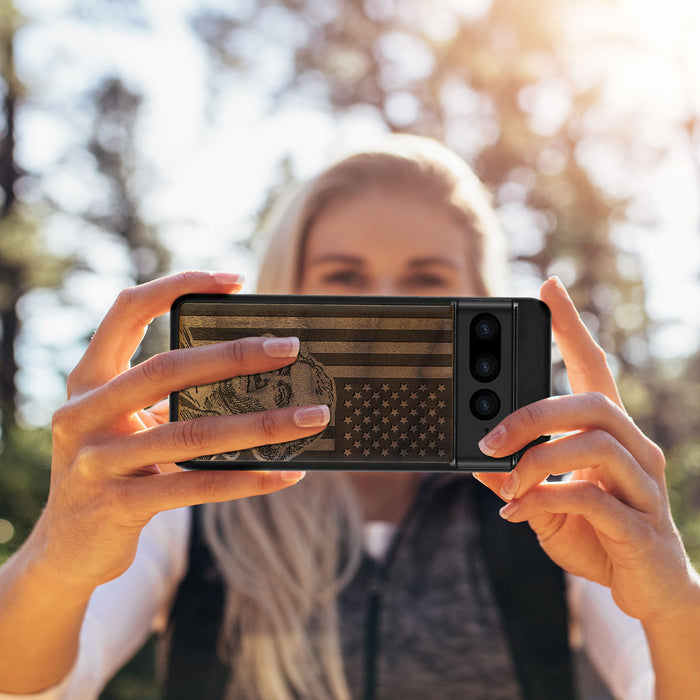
193 667
529 590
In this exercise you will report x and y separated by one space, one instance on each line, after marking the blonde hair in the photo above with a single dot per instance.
285 556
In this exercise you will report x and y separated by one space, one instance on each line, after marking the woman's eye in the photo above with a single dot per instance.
423 281
347 278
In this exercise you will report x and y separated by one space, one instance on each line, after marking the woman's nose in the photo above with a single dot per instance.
385 288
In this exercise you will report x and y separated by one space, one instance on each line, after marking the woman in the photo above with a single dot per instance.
289 576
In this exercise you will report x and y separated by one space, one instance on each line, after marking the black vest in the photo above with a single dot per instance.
527 586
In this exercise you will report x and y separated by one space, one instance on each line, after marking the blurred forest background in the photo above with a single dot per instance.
584 127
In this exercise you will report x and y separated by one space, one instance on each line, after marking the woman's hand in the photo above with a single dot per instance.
611 522
113 459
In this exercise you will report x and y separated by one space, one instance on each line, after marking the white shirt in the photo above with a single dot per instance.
123 613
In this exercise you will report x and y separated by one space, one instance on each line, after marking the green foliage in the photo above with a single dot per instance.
25 460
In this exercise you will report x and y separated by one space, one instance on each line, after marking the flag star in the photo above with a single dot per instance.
366 419
432 412
376 428
414 412
366 387
375 444
441 453
358 411
377 412
441 420
365 452
385 387
404 404
422 420
422 387
394 444
358 395
413 396
348 404
403 387
414 428
366 403
422 405
385 452
385 420
385 404
414 445
357 428
432 396
348 387
348 419
347 452
441 387
347 436
375 396
432 444
441 404
403 420
441 436
422 453
403 453
394 411
357 444
394 428
432 428
394 396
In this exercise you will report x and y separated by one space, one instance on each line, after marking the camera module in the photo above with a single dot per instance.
485 404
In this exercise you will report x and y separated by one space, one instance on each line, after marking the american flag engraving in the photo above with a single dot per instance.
385 370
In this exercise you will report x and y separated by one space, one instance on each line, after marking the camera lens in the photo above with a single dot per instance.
486 327
485 404
485 367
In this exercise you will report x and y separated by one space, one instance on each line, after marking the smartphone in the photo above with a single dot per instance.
413 383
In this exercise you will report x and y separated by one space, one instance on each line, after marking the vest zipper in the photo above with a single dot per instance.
372 630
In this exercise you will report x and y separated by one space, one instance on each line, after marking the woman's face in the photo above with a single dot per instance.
385 244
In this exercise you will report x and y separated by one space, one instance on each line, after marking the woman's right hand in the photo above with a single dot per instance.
113 459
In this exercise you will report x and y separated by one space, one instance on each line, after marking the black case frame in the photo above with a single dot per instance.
524 377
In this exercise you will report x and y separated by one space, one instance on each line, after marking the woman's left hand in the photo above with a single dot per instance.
611 522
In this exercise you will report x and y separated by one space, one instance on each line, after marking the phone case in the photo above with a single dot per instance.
413 383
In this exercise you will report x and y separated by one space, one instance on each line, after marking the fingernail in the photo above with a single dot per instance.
228 277
281 347
490 444
510 486
559 284
292 476
508 510
312 416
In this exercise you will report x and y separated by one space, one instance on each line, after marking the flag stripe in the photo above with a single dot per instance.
347 334
409 322
315 310
392 372
376 359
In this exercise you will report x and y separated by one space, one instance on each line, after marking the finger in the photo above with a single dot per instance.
613 465
125 324
159 413
604 512
563 414
171 371
151 494
185 440
586 363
